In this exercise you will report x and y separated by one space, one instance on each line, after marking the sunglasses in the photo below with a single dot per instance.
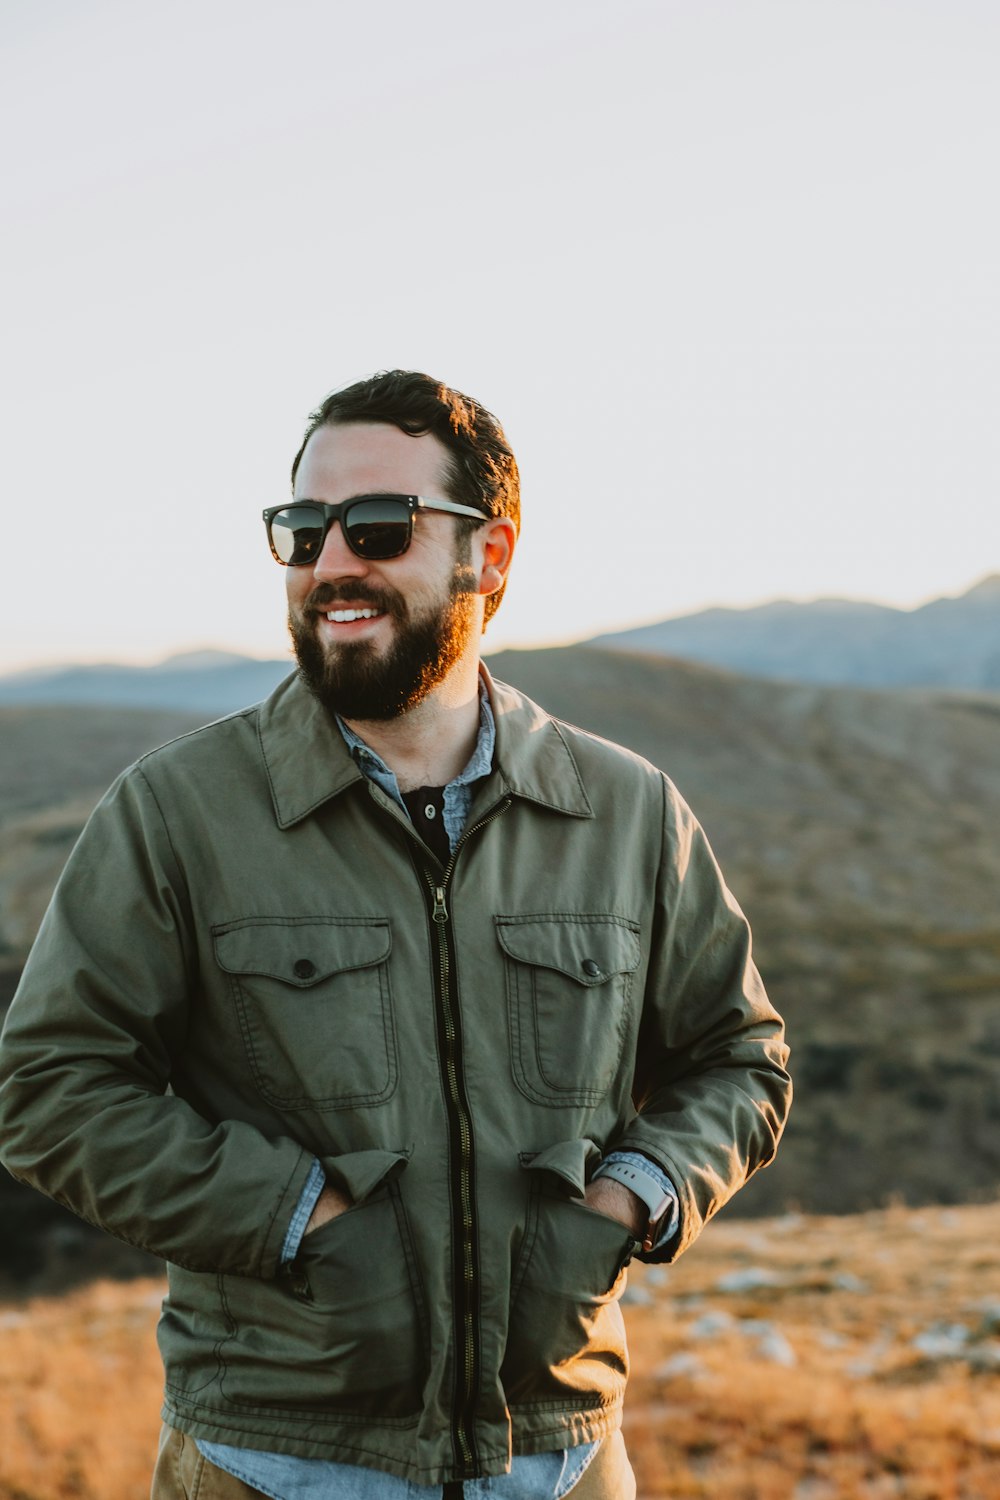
375 527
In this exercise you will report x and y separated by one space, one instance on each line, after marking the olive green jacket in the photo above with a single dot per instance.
252 960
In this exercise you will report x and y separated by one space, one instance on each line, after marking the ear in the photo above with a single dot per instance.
496 550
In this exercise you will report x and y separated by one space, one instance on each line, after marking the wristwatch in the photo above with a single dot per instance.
644 1186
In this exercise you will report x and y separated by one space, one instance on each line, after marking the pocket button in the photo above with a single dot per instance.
591 968
304 968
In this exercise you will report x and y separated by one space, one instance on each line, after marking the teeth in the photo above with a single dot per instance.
342 616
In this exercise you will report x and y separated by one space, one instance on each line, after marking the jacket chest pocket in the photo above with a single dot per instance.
313 1000
568 984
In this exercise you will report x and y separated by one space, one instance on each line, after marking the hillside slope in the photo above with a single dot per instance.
56 764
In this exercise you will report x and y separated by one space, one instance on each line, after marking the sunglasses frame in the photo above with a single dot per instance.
341 511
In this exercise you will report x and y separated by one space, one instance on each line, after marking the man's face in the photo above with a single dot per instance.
365 665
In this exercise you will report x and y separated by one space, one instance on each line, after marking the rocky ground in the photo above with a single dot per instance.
819 1358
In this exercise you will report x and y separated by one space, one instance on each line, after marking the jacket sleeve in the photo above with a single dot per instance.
86 1115
712 1091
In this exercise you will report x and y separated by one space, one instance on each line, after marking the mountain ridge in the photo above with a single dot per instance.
952 641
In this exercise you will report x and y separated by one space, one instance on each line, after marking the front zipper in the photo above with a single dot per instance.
465 1244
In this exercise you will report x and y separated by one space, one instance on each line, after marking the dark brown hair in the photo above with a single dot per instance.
482 470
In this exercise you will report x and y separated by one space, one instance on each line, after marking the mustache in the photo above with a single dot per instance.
328 595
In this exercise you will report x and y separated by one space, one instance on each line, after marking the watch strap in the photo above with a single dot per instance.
649 1184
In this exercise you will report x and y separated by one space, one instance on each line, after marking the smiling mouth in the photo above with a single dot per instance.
346 616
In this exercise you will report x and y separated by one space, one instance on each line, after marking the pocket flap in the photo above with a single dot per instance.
361 1172
301 951
567 1159
586 949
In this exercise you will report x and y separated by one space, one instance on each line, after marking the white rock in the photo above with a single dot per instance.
813 1488
750 1280
756 1327
711 1324
776 1349
943 1341
868 1363
683 1365
637 1296
845 1282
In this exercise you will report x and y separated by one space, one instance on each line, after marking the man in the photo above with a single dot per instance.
396 1016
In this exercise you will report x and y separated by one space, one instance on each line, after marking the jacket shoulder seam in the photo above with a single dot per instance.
190 734
622 753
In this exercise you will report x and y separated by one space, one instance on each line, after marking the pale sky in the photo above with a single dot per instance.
727 271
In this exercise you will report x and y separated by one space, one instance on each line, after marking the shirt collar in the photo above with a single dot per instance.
479 764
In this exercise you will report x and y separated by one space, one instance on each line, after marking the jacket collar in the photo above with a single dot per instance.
307 761
532 757
305 757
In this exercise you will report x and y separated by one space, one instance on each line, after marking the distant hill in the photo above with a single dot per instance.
859 829
947 643
208 682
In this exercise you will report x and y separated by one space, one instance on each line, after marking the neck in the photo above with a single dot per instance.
432 743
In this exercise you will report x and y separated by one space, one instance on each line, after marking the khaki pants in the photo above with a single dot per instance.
182 1474
609 1476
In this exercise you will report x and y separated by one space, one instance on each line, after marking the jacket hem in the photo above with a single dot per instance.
389 1448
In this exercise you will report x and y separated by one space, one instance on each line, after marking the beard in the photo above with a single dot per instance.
358 682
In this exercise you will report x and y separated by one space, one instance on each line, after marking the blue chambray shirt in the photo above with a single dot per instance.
534 1476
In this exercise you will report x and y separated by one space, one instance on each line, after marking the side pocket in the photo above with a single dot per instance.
566 1337
345 1334
190 1330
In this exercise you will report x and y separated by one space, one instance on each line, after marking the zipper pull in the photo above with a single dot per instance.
440 910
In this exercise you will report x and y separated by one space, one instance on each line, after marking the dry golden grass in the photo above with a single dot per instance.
811 1387
805 1385
80 1388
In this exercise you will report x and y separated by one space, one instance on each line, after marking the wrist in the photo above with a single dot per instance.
616 1201
651 1187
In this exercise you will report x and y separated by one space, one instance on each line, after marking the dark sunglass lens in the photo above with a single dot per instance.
379 528
297 534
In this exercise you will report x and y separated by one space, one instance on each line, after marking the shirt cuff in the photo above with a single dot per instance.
652 1185
315 1183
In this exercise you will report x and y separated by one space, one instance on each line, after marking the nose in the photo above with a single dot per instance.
336 560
